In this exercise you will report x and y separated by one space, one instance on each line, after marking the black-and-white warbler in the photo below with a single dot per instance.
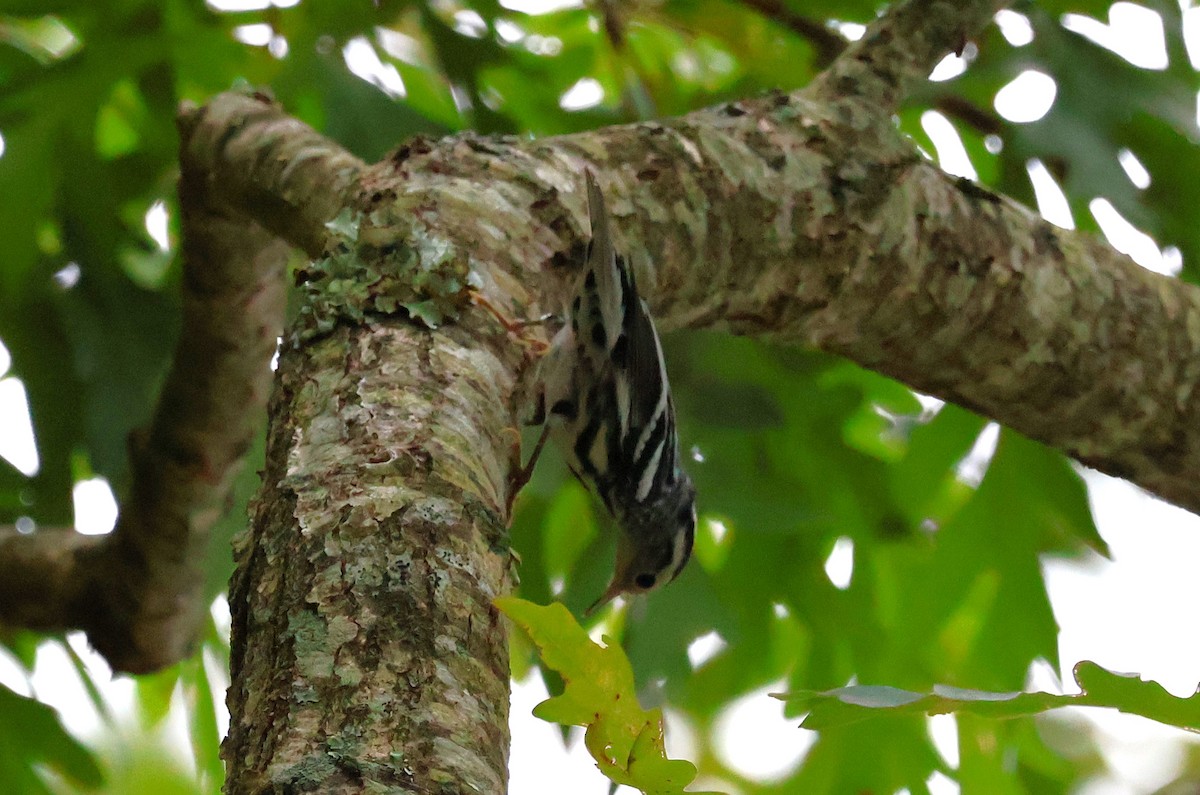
609 406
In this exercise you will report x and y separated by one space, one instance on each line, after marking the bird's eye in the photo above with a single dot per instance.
644 581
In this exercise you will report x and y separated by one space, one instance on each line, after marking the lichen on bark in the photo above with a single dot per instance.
380 260
374 552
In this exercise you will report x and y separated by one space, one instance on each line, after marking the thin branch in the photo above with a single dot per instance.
900 49
827 43
249 159
982 121
614 25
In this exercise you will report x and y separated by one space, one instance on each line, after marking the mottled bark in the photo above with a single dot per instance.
899 50
249 160
817 223
367 656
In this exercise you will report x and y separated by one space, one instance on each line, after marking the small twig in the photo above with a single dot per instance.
982 121
827 43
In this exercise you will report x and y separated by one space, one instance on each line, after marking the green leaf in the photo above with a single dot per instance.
364 119
875 756
1100 688
345 225
119 122
45 39
154 693
568 528
625 740
202 723
218 560
923 479
22 644
31 737
89 684
428 312
971 602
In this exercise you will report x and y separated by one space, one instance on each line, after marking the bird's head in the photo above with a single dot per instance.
654 542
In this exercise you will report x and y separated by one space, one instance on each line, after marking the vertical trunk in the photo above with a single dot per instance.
366 652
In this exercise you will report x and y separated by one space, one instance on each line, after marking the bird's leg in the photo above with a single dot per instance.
535 348
519 478
522 473
512 325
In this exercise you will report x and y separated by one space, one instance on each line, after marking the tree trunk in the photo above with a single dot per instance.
366 651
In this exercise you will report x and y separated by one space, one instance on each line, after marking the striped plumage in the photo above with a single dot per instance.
611 413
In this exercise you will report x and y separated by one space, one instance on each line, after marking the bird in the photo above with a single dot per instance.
606 401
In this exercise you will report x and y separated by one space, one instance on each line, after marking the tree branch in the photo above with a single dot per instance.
136 592
900 49
247 159
807 219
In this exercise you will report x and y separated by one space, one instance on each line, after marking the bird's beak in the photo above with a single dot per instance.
625 551
614 590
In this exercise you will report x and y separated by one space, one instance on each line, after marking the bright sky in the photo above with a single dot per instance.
1135 613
